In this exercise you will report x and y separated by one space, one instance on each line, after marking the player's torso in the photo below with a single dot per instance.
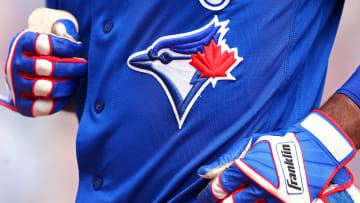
171 83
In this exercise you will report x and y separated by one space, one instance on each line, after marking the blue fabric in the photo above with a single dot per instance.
135 143
340 197
263 159
352 87
341 177
52 4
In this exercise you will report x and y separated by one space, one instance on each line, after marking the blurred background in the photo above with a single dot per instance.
37 156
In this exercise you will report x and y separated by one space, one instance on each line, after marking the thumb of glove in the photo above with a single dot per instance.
238 150
342 177
65 28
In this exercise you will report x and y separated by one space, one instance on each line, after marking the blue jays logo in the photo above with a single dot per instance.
185 64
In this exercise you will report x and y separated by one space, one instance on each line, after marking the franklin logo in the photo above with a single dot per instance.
290 166
185 64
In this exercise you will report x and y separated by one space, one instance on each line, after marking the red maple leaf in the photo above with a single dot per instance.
212 63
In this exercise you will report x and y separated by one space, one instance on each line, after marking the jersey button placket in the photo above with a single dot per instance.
99 106
97 183
108 26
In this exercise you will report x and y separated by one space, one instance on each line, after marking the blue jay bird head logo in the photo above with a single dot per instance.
184 64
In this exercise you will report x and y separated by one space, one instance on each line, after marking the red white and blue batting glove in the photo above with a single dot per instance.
295 165
42 72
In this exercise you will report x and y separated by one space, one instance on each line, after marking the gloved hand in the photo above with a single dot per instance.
42 72
294 165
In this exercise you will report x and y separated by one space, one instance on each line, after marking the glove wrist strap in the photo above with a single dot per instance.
330 134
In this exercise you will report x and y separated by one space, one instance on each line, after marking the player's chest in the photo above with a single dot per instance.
187 62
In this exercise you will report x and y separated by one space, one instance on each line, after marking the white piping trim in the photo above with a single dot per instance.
9 65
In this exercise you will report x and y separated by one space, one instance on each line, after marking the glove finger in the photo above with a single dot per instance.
253 193
65 28
223 185
216 167
41 107
52 66
44 87
212 193
70 68
65 48
49 45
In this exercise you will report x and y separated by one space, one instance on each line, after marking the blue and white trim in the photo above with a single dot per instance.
214 5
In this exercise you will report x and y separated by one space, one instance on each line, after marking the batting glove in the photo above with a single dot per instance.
42 72
295 165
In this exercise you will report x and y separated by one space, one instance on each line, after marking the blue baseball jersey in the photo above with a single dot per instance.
172 84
